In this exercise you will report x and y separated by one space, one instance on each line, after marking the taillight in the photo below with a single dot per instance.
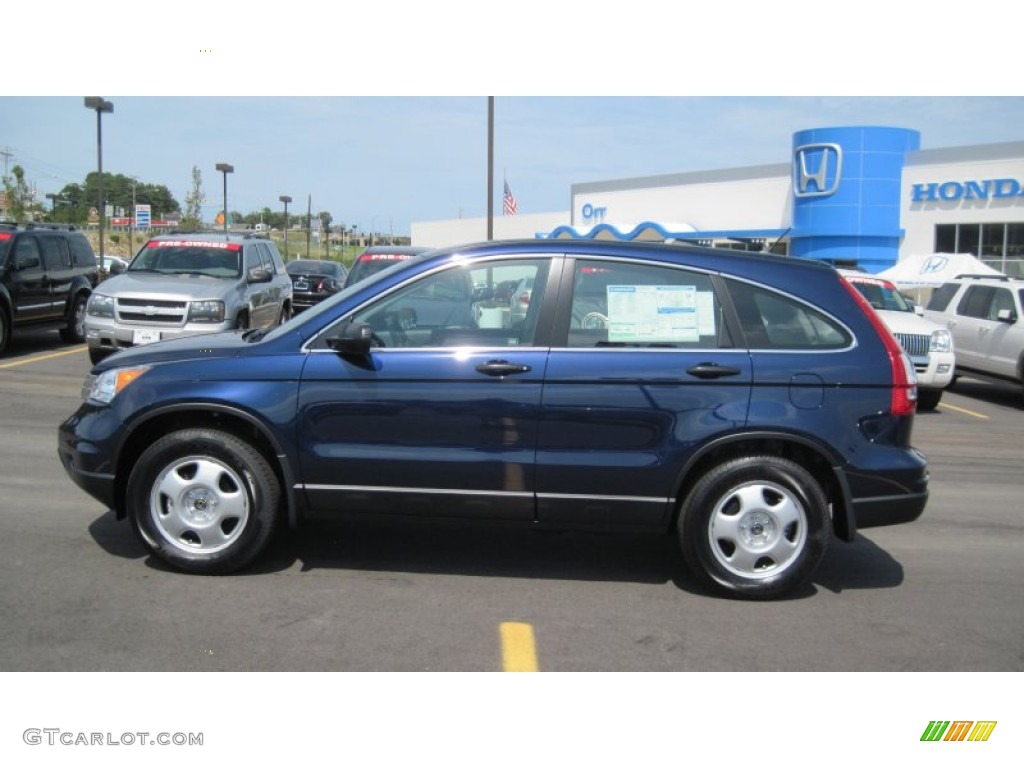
904 379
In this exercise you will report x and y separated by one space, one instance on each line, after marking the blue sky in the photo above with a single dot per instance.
387 161
380 115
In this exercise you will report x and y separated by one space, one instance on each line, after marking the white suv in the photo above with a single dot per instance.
985 316
928 344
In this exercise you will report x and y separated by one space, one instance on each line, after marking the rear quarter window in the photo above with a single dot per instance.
773 321
942 296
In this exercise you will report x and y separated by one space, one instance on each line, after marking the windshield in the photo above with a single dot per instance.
882 295
193 257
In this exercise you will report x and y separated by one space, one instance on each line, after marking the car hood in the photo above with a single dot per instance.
206 345
908 322
170 287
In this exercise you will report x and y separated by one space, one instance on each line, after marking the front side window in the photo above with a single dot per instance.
469 306
975 302
622 304
26 254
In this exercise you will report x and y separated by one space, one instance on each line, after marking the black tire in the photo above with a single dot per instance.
96 354
74 331
754 527
242 321
286 315
203 501
928 399
5 330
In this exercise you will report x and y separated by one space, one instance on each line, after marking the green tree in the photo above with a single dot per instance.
193 218
19 196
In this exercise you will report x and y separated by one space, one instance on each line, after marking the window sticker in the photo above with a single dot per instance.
656 313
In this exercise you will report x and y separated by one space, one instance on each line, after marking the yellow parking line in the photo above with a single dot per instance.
43 357
518 652
964 410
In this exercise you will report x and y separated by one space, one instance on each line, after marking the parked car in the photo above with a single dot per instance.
929 345
379 257
314 280
985 314
753 405
188 284
46 277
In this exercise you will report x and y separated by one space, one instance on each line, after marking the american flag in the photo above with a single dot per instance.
509 202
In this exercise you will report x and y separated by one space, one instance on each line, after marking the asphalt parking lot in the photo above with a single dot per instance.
78 592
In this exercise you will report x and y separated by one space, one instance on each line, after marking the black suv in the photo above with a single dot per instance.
46 277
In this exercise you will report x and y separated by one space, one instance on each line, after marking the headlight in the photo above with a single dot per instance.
942 341
206 312
103 388
100 306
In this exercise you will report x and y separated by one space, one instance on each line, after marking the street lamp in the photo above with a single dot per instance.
100 105
225 169
285 199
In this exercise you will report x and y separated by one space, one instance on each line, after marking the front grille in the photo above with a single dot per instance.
915 344
152 311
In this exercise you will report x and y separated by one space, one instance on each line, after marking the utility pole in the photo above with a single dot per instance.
7 159
309 222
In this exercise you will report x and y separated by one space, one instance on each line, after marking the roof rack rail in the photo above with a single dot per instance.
968 276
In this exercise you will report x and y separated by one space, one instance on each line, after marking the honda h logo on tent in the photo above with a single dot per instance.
816 169
934 264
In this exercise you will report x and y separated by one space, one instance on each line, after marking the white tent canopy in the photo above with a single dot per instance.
934 269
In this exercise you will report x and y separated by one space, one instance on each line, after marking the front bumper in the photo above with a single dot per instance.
111 335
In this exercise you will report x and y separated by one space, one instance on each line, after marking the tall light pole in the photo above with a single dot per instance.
225 169
285 199
100 105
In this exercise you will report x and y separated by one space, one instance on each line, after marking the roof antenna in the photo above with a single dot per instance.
771 249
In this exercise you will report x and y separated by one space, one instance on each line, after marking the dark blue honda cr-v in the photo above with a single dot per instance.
753 404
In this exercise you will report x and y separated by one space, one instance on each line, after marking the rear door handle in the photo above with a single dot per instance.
501 368
712 371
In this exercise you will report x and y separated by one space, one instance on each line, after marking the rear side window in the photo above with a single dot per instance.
942 296
643 305
55 253
773 321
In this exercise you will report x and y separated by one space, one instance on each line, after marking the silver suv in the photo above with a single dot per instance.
187 284
985 314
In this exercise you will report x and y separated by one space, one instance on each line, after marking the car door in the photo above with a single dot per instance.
441 417
31 290
261 310
643 368
59 274
1001 333
971 327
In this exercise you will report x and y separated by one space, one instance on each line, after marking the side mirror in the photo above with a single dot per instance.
354 339
116 268
1007 316
259 275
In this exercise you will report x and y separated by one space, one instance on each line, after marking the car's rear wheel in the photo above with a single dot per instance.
74 332
4 330
754 527
204 500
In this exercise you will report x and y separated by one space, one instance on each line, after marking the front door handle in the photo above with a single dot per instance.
712 371
501 368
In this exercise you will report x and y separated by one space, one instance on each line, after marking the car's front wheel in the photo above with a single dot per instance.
928 399
754 527
203 500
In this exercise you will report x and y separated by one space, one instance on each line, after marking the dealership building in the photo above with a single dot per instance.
854 196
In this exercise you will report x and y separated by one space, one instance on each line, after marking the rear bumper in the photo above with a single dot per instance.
889 510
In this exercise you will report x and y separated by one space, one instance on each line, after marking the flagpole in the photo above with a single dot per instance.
490 167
